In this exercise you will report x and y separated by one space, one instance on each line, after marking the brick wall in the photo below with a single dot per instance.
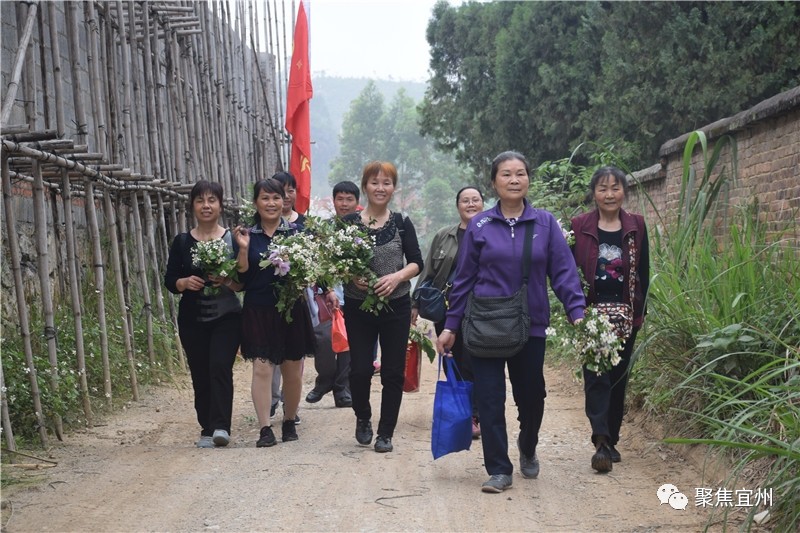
768 149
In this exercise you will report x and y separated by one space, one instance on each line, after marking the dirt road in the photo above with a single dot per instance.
140 471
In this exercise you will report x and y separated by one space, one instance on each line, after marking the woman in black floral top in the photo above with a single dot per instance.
397 260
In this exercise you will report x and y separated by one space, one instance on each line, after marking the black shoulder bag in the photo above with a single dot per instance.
499 326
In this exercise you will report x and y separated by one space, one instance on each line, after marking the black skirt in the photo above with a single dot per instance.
266 335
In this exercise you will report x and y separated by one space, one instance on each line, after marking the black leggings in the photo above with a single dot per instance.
211 351
363 330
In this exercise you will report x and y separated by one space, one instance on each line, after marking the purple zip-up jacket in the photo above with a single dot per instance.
490 264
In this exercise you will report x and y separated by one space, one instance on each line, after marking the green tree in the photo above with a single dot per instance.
541 77
359 141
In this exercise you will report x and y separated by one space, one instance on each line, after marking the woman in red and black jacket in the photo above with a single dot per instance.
610 246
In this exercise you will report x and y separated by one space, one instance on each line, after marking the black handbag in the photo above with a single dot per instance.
499 326
432 302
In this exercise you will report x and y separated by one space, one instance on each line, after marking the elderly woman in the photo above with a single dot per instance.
612 250
492 247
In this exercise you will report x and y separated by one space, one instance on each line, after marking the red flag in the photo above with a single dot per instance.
298 124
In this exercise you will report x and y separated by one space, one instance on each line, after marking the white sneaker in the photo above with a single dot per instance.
221 437
205 442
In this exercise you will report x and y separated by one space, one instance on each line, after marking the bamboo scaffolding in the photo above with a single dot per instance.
19 61
57 238
43 266
155 265
116 264
93 231
75 291
177 148
163 250
134 70
22 307
144 285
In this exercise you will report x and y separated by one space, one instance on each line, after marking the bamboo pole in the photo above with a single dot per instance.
57 237
166 164
93 230
15 257
43 266
156 267
19 62
29 76
152 132
111 224
225 180
114 149
144 285
55 53
139 159
75 56
122 225
43 72
74 290
7 429
163 249
177 148
93 59
127 90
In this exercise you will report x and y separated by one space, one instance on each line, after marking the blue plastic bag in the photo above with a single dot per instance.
452 413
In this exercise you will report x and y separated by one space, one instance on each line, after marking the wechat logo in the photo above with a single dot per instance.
670 494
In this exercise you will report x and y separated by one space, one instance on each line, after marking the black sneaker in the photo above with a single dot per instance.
288 431
364 431
383 444
615 455
601 460
267 438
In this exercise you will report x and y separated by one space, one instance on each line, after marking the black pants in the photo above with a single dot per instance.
605 395
333 370
461 359
211 351
526 372
363 330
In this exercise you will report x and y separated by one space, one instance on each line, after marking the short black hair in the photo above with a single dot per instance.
347 187
468 187
204 186
608 172
270 185
286 179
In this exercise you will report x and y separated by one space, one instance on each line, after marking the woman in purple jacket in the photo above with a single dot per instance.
610 245
489 265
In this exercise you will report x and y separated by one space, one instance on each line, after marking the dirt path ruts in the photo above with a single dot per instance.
141 472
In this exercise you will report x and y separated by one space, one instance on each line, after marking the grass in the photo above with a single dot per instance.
719 356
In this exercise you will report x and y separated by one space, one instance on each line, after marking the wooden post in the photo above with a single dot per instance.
43 266
15 257
74 290
93 230
118 274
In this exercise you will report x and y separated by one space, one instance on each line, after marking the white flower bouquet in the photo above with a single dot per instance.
297 259
214 258
593 340
569 235
346 255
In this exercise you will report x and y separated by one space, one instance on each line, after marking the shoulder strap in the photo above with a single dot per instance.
632 276
526 251
400 223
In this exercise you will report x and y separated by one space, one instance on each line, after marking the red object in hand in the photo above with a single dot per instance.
413 368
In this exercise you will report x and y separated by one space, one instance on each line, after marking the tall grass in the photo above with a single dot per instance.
719 356
720 352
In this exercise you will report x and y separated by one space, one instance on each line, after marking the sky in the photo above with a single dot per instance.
383 39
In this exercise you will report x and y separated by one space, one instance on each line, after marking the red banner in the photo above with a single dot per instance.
298 124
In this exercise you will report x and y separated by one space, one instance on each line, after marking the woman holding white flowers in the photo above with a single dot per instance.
489 264
209 322
612 250
268 339
396 261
